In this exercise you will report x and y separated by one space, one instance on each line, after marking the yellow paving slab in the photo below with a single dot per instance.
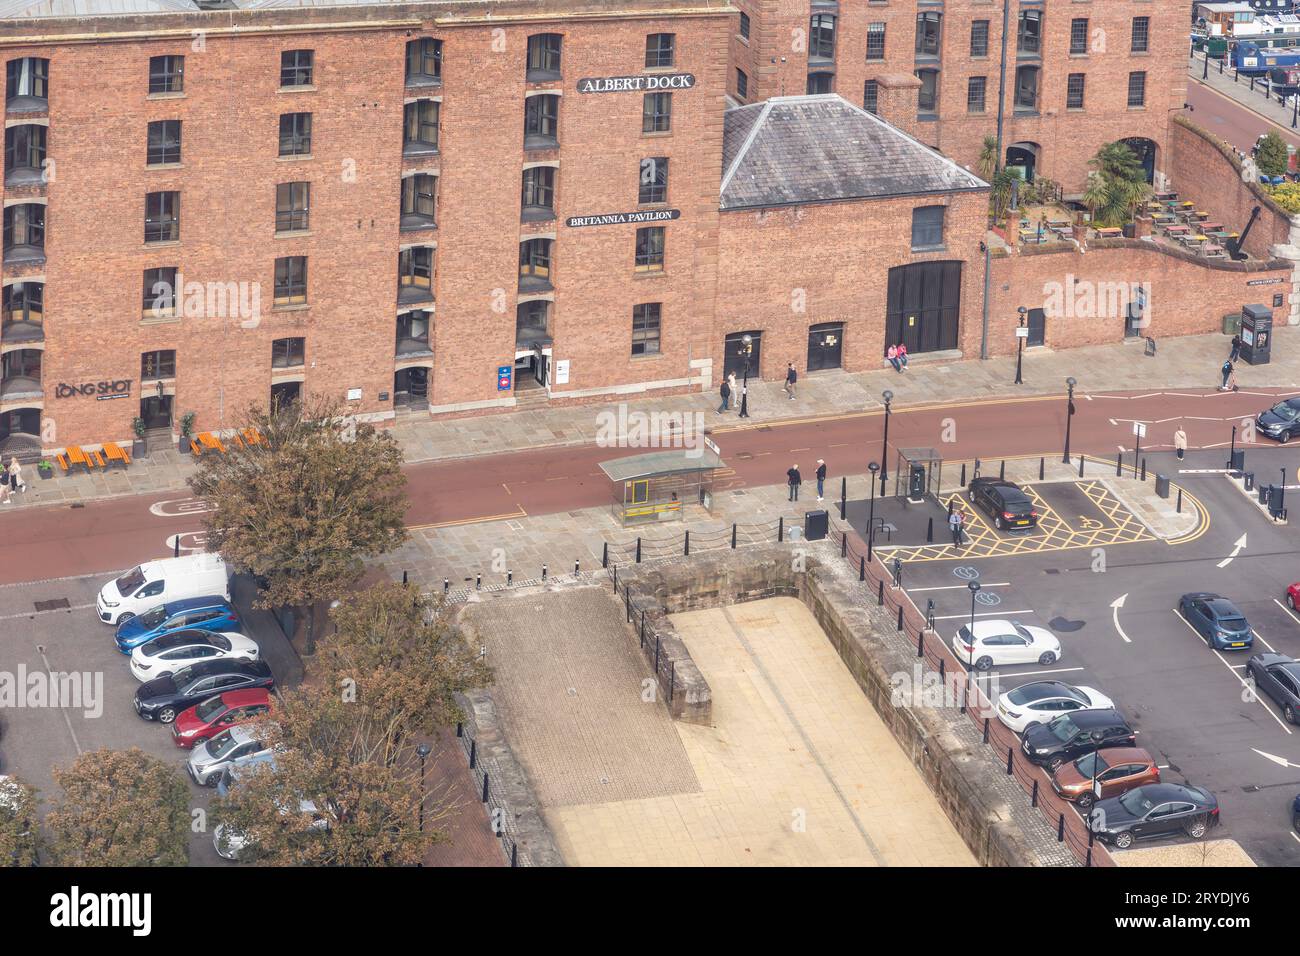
797 770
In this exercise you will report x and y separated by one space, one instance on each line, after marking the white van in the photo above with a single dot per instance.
161 581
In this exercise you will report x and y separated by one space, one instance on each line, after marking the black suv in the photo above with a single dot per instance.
1004 502
1072 735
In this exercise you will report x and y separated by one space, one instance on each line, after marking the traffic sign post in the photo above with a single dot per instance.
1139 432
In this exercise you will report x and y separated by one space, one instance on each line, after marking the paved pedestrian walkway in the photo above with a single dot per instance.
1190 362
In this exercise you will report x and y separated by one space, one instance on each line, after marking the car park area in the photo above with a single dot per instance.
1109 589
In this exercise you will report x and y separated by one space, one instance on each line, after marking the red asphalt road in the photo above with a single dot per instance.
1230 120
102 536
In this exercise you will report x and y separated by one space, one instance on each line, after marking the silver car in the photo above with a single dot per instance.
230 842
227 749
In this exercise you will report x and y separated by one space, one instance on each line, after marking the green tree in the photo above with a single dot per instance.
119 808
1004 181
1271 155
1116 186
19 827
303 507
988 161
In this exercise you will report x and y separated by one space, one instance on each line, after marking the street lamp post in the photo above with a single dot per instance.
1020 346
871 509
1281 492
888 396
748 342
1069 414
423 750
974 590
1232 448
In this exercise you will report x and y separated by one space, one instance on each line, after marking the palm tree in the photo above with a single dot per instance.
1117 185
988 161
1095 194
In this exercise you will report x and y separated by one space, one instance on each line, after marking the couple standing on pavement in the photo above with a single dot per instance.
793 480
728 387
11 480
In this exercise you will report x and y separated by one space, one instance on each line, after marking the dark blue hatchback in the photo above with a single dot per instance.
212 613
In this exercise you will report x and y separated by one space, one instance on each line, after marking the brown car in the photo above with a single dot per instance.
1118 770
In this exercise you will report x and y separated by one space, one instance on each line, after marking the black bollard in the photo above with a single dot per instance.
880 592
844 498
686 546
1119 464
1002 470
929 531
446 585
900 615
862 568
780 529
1041 463
478 581
604 556
1144 469
404 577
510 577
577 565
733 536
543 572
638 549
1178 508
963 474
176 553
1081 460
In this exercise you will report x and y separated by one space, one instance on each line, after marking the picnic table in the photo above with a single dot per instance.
1207 226
1058 224
1213 250
1175 230
1167 196
116 454
1110 232
210 442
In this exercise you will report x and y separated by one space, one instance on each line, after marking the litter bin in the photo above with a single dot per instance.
1265 491
1162 486
1237 461
815 525
1275 504
1249 478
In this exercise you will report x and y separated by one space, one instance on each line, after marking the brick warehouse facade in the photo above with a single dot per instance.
1068 68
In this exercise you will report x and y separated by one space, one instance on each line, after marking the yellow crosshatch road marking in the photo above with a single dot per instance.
1054 533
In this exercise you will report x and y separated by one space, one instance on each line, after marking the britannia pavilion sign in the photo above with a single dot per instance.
618 218
645 83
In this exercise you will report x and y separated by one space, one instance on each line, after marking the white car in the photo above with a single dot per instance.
1042 701
995 643
230 842
169 653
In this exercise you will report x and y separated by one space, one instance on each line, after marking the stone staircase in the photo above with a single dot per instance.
531 398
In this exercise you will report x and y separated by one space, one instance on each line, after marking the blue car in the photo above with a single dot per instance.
212 613
1217 620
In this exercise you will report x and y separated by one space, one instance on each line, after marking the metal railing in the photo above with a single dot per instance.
500 817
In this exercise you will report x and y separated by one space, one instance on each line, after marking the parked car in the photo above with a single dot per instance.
230 775
230 842
158 582
164 697
1278 677
208 613
1072 735
1102 774
1156 810
1217 620
1003 501
210 717
995 643
1281 422
1295 813
227 749
1293 596
1044 700
171 652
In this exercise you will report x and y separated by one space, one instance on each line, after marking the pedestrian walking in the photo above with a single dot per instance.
892 355
954 526
821 478
902 357
726 397
16 475
1180 442
731 384
1236 349
791 376
794 481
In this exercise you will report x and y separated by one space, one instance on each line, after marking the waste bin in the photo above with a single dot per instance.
1264 492
815 524
1162 486
1237 460
1249 478
1275 502
916 482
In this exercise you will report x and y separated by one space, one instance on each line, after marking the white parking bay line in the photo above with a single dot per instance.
74 607
1054 670
1255 631
1251 695
967 617
962 587
1289 613
1293 836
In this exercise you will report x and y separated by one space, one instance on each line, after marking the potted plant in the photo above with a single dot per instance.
187 430
45 468
137 446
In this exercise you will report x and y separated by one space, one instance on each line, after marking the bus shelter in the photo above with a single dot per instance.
918 473
658 485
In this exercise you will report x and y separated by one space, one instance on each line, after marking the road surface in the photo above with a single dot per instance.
1230 120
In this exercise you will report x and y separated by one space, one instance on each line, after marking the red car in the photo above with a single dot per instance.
205 720
1293 596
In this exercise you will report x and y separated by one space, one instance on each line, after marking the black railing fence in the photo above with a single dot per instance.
500 817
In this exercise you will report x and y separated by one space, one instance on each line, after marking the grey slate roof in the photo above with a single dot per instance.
806 149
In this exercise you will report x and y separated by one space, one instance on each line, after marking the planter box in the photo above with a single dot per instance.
138 449
46 475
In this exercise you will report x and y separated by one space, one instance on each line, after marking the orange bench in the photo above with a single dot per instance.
63 462
116 454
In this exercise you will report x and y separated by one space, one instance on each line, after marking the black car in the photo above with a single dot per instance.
1281 422
1072 735
1003 501
1278 676
164 697
1156 810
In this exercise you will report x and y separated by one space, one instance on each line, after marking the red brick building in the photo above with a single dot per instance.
1074 74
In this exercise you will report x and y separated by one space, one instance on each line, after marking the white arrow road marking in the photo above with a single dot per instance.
1280 761
1241 680
1112 421
175 507
1115 605
1236 550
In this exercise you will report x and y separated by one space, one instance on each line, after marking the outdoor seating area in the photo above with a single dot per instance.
1044 230
1183 225
206 442
75 458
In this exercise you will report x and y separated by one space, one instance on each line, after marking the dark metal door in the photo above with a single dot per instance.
825 346
923 306
156 411
1037 322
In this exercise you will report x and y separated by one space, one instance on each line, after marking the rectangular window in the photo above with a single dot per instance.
164 142
927 227
1074 85
657 113
979 38
420 127
162 217
541 121
27 81
158 364
538 198
928 33
821 82
744 25
292 207
296 67
166 74
1079 35
423 62
1026 94
544 57
975 89
927 97
291 280
295 134
821 37
159 291
645 328
876 41
742 84
414 274
1141 34
419 196
1137 89
871 96
1029 34
654 180
288 353
660 49
650 249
